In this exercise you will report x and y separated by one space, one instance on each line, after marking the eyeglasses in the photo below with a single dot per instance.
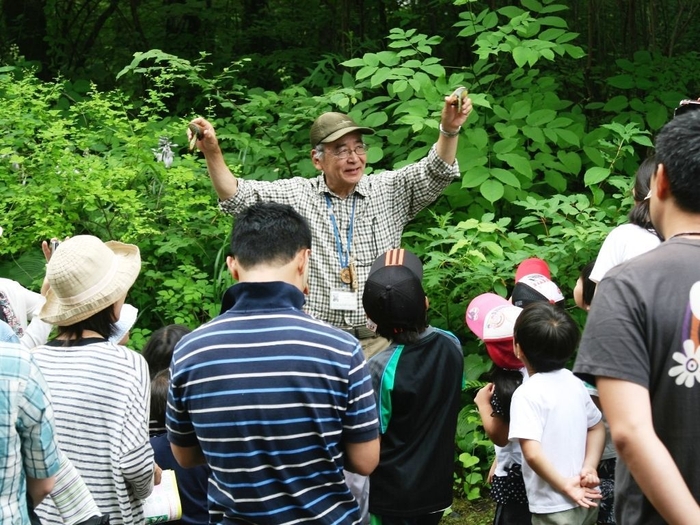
684 106
344 153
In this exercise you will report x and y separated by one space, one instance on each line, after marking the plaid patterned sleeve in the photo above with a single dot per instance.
418 185
284 191
36 423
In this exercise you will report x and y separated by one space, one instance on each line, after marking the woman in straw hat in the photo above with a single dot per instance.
100 390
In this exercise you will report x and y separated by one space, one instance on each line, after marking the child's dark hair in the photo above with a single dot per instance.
403 336
504 384
158 351
588 285
639 214
547 336
159 396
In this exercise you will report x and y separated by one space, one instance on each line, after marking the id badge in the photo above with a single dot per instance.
342 300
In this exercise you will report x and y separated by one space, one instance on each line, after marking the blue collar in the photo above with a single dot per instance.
276 295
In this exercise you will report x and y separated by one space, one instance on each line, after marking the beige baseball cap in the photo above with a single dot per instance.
331 126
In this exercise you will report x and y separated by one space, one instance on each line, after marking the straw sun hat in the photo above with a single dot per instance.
86 276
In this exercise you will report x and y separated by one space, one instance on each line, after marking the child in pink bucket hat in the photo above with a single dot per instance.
492 319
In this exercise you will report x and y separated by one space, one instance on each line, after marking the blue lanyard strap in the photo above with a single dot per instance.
343 255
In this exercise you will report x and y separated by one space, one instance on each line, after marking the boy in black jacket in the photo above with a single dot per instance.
417 383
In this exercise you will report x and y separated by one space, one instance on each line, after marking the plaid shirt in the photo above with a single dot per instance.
384 203
27 428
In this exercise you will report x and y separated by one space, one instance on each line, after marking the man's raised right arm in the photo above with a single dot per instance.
224 182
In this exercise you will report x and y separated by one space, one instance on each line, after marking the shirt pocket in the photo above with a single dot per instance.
374 237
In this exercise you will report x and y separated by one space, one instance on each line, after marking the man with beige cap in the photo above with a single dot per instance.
353 217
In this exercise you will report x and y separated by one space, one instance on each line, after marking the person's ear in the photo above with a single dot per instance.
316 159
232 267
303 269
662 186
303 260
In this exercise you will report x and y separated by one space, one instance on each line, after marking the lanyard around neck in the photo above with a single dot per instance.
343 255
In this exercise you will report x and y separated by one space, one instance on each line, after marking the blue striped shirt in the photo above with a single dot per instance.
271 395
27 440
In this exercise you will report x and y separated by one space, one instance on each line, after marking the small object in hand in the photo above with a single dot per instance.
53 244
196 133
461 93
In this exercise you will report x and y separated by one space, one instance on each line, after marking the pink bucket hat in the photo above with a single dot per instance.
492 319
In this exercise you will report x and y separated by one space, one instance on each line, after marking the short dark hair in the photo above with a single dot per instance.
547 336
505 382
588 285
403 336
159 396
268 232
102 322
639 214
158 350
678 149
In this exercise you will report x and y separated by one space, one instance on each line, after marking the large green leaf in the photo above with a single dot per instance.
519 163
520 109
540 117
505 176
475 177
595 175
570 160
657 116
492 190
505 145
380 76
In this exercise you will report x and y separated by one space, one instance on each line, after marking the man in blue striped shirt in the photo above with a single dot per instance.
274 400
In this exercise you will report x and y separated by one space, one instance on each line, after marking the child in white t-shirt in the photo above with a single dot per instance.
555 421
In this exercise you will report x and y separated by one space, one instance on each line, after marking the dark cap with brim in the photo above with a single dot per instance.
393 297
331 126
536 288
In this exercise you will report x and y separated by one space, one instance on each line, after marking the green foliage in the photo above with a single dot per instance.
546 171
476 454
527 35
91 169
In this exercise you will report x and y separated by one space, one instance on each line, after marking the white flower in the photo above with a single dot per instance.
163 152
688 370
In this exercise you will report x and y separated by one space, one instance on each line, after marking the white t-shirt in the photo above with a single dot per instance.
26 306
555 409
506 457
622 244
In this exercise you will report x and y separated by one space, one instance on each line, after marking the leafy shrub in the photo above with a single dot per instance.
542 175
